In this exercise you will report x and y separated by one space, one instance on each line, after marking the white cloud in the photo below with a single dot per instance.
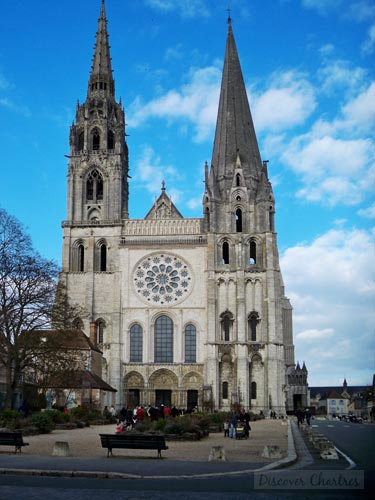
186 8
332 287
195 102
315 335
338 76
360 112
369 44
288 101
368 212
150 172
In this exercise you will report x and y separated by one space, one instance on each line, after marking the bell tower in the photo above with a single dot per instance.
98 160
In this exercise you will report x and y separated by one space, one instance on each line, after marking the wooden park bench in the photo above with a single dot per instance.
133 441
12 439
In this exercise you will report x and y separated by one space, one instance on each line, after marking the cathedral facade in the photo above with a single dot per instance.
187 312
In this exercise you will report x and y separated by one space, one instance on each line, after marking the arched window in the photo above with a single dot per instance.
208 216
253 253
101 325
225 253
81 139
94 186
136 344
163 348
190 344
239 220
253 320
103 257
95 139
238 180
253 390
225 390
226 326
110 140
81 258
78 257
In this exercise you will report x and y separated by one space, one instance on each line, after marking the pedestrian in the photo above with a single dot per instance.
307 416
226 428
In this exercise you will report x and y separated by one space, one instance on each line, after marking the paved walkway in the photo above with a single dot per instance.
183 458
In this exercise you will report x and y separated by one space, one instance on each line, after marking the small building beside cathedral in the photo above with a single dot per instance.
189 312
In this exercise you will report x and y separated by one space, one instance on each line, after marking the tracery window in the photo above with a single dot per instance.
163 348
94 186
190 344
136 344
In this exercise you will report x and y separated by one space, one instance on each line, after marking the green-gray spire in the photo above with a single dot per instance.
235 135
101 80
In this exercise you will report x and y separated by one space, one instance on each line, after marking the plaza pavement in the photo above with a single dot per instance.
182 459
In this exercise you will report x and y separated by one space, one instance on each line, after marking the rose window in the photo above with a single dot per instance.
162 279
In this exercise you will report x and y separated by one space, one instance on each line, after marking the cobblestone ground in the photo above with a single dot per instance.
86 443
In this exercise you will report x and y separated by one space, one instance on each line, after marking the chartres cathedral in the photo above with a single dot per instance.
187 312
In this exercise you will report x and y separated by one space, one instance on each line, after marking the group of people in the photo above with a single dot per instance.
127 418
303 415
230 425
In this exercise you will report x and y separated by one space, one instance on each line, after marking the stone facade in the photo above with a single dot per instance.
190 312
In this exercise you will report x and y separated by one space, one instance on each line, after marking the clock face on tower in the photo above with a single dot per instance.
162 279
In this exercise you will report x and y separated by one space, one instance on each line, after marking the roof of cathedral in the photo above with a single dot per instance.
163 207
101 64
235 134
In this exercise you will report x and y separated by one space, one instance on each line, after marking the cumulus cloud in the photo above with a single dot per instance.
368 212
150 172
288 101
332 285
196 102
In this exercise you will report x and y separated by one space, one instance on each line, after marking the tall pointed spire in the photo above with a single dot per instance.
235 134
101 70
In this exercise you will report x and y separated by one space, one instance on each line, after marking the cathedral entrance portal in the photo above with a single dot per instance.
163 397
192 399
133 398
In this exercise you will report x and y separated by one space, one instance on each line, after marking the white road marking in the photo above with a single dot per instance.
351 463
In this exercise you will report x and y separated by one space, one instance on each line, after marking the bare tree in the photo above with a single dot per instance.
28 288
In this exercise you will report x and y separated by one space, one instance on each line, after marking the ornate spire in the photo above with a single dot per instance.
101 80
235 134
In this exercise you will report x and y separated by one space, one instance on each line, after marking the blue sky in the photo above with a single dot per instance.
308 68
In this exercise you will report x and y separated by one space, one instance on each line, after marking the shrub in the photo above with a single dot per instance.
57 417
10 418
43 422
174 428
160 424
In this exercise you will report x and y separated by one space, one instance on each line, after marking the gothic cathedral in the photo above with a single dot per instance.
187 312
